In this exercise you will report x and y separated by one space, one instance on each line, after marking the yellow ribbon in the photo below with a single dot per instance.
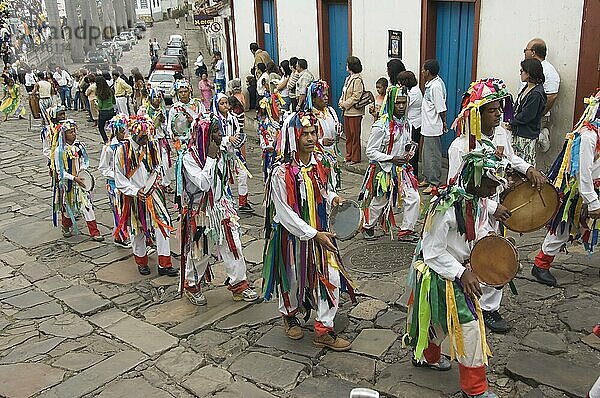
310 197
484 345
453 323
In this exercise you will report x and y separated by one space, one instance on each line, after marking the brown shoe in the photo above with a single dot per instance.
292 327
332 341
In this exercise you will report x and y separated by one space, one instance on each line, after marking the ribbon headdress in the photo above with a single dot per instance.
481 92
139 126
287 141
116 123
319 88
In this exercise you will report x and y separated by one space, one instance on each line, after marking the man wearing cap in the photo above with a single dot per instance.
487 98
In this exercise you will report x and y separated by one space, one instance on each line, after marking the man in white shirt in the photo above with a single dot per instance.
219 67
64 79
30 80
433 111
305 77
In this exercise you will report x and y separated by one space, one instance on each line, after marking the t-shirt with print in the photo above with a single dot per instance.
434 103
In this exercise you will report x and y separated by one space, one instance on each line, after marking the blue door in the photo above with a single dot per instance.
339 50
454 51
270 29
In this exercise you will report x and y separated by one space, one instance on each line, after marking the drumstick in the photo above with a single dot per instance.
520 206
542 198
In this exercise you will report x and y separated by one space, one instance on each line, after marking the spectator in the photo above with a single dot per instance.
45 90
11 105
83 86
200 65
413 112
29 80
529 109
433 111
75 92
219 68
304 80
64 80
381 86
140 91
90 92
122 91
106 105
262 85
260 56
281 87
351 93
292 81
206 87
394 67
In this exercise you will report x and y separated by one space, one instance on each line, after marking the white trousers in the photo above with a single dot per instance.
595 391
242 178
197 263
164 162
324 314
552 243
410 203
472 343
162 244
122 105
491 298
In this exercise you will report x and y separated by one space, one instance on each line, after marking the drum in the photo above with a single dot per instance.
494 260
531 209
34 105
152 183
346 220
88 180
180 125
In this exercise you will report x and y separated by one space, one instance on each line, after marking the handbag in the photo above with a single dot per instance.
365 99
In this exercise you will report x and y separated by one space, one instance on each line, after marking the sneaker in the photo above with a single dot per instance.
406 235
98 238
150 250
442 365
292 327
169 271
144 269
369 234
332 341
197 298
124 245
487 394
494 321
246 208
66 232
247 295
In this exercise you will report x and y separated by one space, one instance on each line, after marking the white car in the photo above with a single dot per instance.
130 37
163 80
123 42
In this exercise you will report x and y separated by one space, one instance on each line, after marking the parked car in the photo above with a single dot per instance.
137 33
123 42
130 37
140 24
177 52
178 45
163 80
112 49
98 58
167 62
176 41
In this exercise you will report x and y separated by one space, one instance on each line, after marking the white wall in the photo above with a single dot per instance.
501 46
245 31
297 32
370 27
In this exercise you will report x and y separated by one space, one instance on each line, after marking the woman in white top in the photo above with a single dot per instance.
282 85
413 112
43 88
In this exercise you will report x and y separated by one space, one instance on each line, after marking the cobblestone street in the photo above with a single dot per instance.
78 320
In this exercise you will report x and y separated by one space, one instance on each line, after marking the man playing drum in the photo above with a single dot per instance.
576 174
209 222
443 291
68 157
137 160
389 179
301 262
478 126
185 107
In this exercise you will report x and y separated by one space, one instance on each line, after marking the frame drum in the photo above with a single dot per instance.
494 260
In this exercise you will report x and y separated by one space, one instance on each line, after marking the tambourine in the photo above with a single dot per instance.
88 180
346 220
180 125
495 260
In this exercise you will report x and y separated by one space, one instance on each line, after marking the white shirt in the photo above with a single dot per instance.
199 61
30 79
379 140
63 78
434 103
129 186
589 168
79 165
220 70
201 178
415 101
551 78
262 81
107 159
330 127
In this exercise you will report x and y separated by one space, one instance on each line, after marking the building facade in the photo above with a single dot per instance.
149 8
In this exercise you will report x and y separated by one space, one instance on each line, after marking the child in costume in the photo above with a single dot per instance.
269 117
209 222
301 261
389 179
478 127
234 140
68 158
331 128
117 127
576 175
443 292
137 159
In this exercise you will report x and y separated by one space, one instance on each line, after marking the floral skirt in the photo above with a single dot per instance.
525 148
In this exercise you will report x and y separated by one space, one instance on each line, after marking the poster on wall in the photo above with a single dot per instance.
394 44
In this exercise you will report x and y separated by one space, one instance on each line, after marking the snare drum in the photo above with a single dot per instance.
88 180
494 260
531 209
346 220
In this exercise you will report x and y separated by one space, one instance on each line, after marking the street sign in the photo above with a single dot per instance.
202 19
215 27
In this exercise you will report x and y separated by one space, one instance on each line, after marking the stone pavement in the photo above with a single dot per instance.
77 320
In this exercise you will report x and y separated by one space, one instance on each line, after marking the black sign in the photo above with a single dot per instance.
394 44
202 19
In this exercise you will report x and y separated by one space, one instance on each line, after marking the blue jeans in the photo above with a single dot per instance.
65 96
220 85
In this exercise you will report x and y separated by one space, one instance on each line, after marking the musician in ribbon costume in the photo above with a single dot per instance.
155 109
301 260
478 128
233 139
209 222
137 165
117 128
67 158
270 118
49 131
331 128
183 113
442 290
389 180
576 175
